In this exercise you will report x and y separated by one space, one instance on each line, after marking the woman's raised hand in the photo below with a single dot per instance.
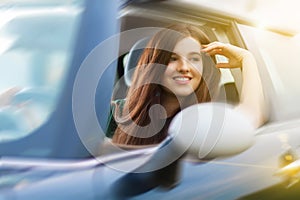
234 54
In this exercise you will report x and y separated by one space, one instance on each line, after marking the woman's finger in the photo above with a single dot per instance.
213 51
213 48
223 65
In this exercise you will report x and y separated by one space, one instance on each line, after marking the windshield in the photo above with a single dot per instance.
35 50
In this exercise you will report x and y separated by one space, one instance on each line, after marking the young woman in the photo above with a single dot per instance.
177 69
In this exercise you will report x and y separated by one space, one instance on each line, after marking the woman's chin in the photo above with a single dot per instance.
184 93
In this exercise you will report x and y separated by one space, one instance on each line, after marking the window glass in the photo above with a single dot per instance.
278 60
35 51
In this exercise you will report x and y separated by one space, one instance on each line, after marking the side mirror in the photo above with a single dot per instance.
211 130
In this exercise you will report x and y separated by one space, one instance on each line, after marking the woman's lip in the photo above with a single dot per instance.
182 80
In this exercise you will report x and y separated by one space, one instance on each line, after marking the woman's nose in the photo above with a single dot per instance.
183 66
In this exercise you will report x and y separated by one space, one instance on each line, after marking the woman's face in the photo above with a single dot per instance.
183 73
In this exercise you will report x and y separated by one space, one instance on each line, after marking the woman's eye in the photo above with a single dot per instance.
195 59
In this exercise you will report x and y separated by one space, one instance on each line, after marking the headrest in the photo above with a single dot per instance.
133 58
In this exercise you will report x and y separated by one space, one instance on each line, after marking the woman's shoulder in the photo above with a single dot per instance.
118 101
117 104
116 109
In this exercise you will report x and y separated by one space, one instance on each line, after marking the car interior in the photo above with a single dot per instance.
133 18
130 50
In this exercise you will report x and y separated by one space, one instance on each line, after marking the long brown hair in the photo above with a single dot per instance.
135 125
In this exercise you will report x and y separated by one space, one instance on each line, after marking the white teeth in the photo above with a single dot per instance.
181 79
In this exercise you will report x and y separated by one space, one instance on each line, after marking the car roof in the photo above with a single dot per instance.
195 7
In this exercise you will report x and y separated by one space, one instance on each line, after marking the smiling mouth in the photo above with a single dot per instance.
180 78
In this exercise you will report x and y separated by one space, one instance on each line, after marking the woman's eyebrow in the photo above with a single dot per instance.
195 53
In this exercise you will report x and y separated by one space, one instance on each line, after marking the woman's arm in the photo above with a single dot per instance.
252 101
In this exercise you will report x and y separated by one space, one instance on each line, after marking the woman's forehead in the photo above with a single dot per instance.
187 46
